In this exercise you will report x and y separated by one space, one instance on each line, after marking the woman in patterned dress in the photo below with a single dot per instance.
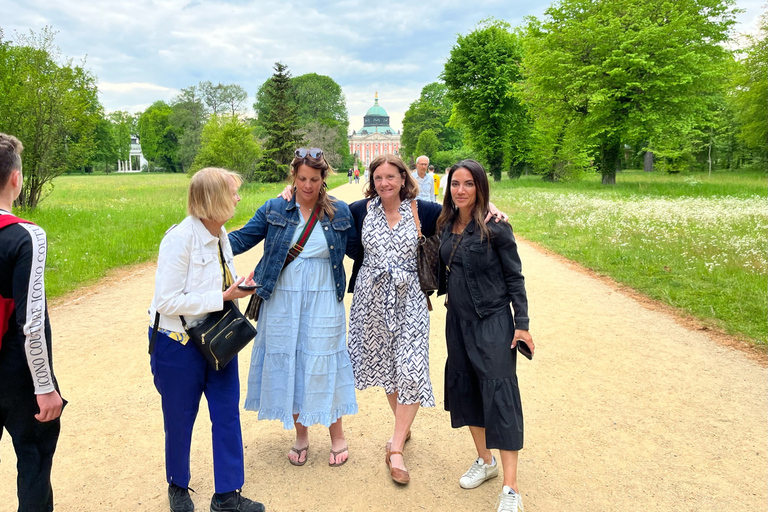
389 319
300 369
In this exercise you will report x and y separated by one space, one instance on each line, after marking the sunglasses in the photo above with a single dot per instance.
312 152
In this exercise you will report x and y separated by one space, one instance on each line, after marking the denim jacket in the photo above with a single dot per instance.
275 223
493 271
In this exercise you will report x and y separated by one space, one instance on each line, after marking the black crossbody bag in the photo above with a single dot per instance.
221 335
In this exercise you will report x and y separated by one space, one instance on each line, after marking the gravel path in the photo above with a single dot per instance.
625 409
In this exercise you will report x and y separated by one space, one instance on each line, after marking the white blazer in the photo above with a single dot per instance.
188 280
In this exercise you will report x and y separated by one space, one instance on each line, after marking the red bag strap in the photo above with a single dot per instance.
6 219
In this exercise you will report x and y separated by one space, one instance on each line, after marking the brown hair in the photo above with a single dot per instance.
209 194
10 157
323 201
482 198
410 188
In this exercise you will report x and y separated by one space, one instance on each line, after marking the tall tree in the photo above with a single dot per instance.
750 91
480 74
228 142
51 106
281 123
188 118
159 142
601 75
320 100
234 96
123 126
432 111
428 144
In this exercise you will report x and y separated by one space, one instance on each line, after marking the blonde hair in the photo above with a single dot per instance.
210 196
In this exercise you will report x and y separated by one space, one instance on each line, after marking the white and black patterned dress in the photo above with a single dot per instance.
389 319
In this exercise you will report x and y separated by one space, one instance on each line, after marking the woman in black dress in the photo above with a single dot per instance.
480 271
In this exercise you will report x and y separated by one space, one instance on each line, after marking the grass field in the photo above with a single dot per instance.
694 242
99 222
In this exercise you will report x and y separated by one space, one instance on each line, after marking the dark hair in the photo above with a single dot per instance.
482 197
410 188
320 163
10 157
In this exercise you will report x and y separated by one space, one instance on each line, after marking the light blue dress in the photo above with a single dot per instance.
300 363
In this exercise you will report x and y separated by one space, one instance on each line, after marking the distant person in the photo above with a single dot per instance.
444 181
423 180
357 176
350 175
30 403
480 271
435 182
195 275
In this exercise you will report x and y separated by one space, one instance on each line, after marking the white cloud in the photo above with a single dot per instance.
147 50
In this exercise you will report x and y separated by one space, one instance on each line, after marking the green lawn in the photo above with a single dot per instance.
99 222
695 242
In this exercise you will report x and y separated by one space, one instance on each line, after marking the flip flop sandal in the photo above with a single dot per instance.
336 455
298 452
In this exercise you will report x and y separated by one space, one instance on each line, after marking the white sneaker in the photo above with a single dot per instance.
478 473
509 501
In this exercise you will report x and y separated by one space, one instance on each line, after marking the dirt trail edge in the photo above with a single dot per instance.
625 409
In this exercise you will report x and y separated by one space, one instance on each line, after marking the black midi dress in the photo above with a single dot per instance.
481 387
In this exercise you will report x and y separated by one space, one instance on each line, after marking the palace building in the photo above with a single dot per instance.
376 137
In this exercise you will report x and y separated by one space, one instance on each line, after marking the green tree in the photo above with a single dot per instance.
432 111
106 147
750 92
428 144
228 142
123 126
281 123
602 75
480 74
188 118
159 142
234 97
51 106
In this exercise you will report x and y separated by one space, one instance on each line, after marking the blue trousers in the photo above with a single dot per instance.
181 376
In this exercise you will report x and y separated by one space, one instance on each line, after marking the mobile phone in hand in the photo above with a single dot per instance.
247 287
524 349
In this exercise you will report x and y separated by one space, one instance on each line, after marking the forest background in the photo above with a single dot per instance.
615 119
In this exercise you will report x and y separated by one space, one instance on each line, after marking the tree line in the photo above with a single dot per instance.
52 105
599 86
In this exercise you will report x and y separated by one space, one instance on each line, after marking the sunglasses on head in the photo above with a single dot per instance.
312 152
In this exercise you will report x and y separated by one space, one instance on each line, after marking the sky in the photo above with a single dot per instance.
146 50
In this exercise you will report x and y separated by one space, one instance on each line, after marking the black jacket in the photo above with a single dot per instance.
428 214
493 271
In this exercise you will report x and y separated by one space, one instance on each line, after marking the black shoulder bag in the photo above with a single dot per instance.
221 335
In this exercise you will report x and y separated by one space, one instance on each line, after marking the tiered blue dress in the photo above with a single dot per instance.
300 364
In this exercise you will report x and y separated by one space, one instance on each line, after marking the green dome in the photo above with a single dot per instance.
376 110
376 120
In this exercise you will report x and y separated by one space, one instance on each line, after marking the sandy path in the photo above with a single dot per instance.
625 409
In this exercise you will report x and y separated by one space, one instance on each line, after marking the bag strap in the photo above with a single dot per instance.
6 219
294 251
416 220
456 244
154 333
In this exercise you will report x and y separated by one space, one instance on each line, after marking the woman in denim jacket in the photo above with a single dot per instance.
300 369
480 271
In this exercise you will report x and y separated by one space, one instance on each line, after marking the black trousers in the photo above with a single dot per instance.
35 443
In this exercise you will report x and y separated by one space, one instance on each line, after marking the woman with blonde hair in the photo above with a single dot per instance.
195 275
300 370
